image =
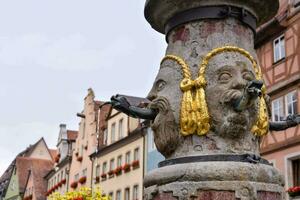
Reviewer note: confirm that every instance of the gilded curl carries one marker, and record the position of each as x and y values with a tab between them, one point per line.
194	115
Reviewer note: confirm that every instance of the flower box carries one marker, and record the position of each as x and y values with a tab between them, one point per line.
97	179
103	176
79	158
74	185
126	167
111	173
118	171
82	180
59	184
63	181
294	191
135	164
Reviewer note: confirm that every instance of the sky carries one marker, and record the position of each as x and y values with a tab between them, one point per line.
52	51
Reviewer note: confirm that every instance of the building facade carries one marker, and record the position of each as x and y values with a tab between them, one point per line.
36	185
118	164
14	178
278	49
86	144
58	177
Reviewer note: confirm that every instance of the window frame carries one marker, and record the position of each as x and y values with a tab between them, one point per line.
113	133
281	42
295	110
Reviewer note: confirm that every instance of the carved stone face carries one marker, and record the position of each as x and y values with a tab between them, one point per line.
227	75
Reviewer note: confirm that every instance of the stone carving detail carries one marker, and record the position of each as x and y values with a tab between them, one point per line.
166	134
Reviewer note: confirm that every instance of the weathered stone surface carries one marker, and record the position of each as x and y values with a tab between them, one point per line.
159	12
214	171
268	195
164	196
216	195
227	75
230	132
235	190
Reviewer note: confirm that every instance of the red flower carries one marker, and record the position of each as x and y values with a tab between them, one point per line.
79	158
126	167
63	181
103	175
74	185
97	179
294	191
118	170
111	172
135	164
82	180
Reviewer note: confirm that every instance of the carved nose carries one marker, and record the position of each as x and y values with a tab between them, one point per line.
151	96
239	83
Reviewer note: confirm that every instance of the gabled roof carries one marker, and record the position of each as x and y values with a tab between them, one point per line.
4	179
53	153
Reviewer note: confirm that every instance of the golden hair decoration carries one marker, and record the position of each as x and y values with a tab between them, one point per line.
194	116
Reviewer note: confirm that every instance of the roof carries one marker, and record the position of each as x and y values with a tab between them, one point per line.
4	179
53	153
39	168
72	135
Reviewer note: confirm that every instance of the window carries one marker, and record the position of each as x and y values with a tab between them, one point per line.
296	172
127	157
291	103
127	194
151	144
120	129
118	195
119	161
83	130
97	171
112	164
104	167
284	106
135	193
136	154
277	110
113	132
84	172
76	177
81	152
105	137
279	48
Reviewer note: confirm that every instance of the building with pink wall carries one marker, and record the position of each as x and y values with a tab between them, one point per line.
278	49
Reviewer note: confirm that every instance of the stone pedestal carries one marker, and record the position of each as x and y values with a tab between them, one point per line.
191	39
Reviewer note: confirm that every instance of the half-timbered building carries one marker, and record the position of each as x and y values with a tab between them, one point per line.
278	49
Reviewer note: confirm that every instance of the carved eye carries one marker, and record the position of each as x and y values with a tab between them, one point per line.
225	76
248	76
160	85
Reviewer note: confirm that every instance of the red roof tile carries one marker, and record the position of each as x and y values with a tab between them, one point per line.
72	135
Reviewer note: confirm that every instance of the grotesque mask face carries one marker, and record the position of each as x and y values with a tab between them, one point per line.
227	76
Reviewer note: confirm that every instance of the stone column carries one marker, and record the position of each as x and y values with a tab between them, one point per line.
220	158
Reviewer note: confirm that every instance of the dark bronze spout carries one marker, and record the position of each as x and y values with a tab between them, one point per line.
120	103
251	92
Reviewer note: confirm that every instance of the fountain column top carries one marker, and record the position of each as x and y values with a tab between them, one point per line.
159	12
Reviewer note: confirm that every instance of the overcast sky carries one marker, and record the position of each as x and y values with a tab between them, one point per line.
52	51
